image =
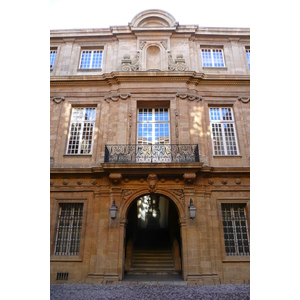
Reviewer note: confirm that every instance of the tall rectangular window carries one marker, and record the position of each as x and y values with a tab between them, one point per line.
68	232
153	126
212	57
248	56
91	59
235	229
223	131
52	58
81	133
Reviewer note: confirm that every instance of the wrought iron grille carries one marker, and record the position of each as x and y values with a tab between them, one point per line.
69	229
169	153
235	229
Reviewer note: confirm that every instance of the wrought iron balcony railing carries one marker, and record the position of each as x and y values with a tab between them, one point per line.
171	153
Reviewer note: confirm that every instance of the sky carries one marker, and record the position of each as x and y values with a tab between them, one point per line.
78	14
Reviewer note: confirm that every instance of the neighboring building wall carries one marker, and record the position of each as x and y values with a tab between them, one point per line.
189	93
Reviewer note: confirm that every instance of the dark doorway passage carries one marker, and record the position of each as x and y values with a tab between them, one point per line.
153	240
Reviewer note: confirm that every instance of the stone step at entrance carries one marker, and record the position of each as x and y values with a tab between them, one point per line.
152	262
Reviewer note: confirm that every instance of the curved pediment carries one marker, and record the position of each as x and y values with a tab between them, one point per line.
153	18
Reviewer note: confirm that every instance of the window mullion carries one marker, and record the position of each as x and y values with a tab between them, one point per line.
91	61
80	137
212	57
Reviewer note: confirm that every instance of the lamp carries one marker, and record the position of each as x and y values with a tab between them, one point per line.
113	210
192	210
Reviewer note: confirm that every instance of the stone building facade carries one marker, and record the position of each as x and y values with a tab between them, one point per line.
152	118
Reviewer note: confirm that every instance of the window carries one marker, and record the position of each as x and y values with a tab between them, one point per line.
248	56
235	229
212	57
91	59
153	126
52	58
81	130
223	131
68	229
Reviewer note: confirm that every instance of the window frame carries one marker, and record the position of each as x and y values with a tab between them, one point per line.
82	122
69	199
153	122
222	122
247	50
56	51
233	200
211	49
93	50
67	236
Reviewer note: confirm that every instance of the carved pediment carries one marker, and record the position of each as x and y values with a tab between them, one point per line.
153	18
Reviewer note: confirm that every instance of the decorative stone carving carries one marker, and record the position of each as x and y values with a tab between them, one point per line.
178	65
238	181
179	194
142	44
57	100
210	181
79	181
117	97
244	99
165	44
189	97
65	182
94	181
177	180
126	194
224	181
152	181
189	178
115	178
127	65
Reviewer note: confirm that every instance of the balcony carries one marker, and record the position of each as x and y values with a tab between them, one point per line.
171	153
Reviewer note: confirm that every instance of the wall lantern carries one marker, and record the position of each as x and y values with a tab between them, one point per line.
113	210
192	210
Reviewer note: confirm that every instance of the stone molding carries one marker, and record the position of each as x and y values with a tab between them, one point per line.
115	178
190	97
244	99
58	100
117	97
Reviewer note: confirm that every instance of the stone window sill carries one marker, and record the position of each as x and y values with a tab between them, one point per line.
236	259
66	258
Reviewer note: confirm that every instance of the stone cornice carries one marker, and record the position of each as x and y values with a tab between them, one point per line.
108	79
112	31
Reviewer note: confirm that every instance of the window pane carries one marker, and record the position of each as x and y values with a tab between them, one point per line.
218	58
206	58
97	59
85	59
52	58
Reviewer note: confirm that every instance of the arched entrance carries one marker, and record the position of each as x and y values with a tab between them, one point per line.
152	238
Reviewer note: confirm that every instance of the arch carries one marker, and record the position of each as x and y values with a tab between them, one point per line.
127	203
153	18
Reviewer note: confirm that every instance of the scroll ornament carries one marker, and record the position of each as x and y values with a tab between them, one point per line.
178	65
127	65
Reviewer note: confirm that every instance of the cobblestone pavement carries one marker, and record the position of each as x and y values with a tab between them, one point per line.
148	291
